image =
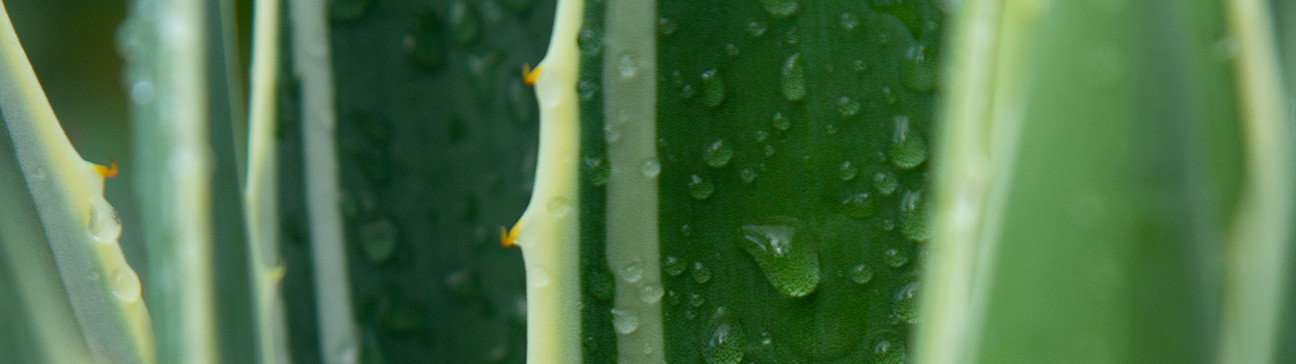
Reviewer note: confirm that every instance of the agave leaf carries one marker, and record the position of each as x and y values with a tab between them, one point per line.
260	200
70	296
338	340
422	128
185	112
748	186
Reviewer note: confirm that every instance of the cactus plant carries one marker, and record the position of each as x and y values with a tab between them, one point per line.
674	181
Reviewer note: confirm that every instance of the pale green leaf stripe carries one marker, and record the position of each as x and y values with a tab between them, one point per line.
260	193
79	225
630	105
548	231
164	47
1254	281
963	252
339	341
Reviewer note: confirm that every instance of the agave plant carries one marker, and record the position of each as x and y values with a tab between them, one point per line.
673	181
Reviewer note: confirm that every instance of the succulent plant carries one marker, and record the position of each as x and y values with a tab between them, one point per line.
686	181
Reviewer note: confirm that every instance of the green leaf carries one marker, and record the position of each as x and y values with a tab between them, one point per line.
186	108
68	293
426	138
1100	197
749	181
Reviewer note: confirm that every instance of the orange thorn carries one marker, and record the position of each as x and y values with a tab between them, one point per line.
529	75
508	237
106	171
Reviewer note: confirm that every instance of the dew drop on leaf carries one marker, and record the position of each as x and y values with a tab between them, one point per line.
789	265
713	89
718	153
792	78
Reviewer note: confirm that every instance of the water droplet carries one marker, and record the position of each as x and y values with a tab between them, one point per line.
860	65
651	293
917	72
104	226
769	150
766	338
732	50
848	21
587	89
460	283
747	175
780	8
790	266
611	134
847	171
496	354
666	27
482	69
859	206
725	346
424	43
913	216
713	89
701	274
780	122
906	308
756	29
599	171
886	352
700	187
885	182
559	206
861	274
888	224
464	25
847	107
379	239
696	300
672	298
760	135
628	66
673	266
687	92
125	284
590	42
888	96
141	92
632	272
908	149
624	321
537	276
895	258
340	10
793	78
651	168
718	153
